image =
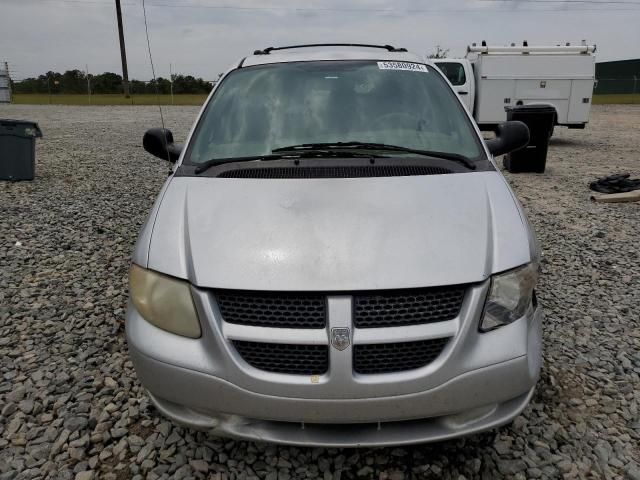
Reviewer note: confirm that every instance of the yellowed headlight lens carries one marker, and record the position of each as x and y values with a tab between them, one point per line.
510	297
164	302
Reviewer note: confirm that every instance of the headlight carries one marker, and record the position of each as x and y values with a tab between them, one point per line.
510	297
164	301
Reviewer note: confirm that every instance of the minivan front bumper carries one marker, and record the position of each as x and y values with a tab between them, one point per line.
481	381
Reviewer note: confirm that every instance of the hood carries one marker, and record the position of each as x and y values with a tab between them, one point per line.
338	234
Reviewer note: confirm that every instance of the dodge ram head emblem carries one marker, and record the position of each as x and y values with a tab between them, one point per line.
340	338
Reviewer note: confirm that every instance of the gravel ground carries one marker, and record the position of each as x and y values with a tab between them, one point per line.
71	406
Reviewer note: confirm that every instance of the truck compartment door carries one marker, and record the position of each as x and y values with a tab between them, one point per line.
552	92
543	89
580	101
491	98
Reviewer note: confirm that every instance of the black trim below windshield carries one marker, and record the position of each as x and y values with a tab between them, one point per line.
352	168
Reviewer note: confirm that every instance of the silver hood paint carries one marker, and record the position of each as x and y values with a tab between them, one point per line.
337	234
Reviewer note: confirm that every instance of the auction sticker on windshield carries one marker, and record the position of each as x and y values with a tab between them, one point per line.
412	67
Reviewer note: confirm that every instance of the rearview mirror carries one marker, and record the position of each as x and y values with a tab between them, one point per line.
510	136
159	143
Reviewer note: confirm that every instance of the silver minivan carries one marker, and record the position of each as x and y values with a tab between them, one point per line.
335	259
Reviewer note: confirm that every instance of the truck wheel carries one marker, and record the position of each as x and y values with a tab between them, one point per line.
551	132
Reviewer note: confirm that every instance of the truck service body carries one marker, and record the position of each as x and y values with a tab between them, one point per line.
489	79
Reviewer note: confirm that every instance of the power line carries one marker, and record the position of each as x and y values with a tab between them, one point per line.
80	2
380	10
595	2
153	72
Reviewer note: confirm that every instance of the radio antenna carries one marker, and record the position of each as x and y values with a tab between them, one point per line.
153	72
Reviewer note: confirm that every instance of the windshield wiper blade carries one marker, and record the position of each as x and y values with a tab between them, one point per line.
306	153
455	157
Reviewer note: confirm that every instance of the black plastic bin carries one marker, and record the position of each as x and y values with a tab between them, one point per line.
18	149
540	119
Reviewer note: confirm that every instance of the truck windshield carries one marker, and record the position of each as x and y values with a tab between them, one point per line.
454	72
259	109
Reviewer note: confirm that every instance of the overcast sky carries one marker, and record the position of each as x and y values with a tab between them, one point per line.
203	37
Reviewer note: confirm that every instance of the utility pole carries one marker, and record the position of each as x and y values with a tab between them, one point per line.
88	83
123	53
171	78
10	99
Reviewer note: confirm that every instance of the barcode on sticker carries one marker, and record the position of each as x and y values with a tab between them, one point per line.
412	67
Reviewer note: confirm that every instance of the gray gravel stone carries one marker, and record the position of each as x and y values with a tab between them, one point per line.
76	423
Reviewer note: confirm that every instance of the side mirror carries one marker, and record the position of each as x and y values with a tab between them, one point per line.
159	143
510	136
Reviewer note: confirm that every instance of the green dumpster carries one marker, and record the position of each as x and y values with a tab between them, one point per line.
18	149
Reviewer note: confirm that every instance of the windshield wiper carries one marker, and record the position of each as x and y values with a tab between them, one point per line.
214	162
305	153
454	157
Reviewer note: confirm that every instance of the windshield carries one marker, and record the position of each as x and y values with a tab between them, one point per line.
259	109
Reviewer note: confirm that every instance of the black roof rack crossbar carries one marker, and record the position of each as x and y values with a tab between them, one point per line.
389	48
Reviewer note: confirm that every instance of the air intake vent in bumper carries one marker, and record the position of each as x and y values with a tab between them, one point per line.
397	308
396	357
276	310
285	358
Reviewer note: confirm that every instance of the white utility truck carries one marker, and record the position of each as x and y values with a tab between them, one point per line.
489	79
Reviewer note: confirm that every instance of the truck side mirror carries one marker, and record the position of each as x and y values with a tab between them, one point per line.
159	143
510	136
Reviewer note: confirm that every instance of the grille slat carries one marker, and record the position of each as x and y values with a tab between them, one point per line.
396	357
275	310
401	308
285	358
347	171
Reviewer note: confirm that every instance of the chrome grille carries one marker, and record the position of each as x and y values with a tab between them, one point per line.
305	316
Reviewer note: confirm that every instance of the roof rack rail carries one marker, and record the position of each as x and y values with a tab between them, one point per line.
268	50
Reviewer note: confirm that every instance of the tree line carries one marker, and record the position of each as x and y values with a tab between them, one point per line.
76	81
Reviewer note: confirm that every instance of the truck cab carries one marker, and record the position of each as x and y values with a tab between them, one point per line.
459	72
